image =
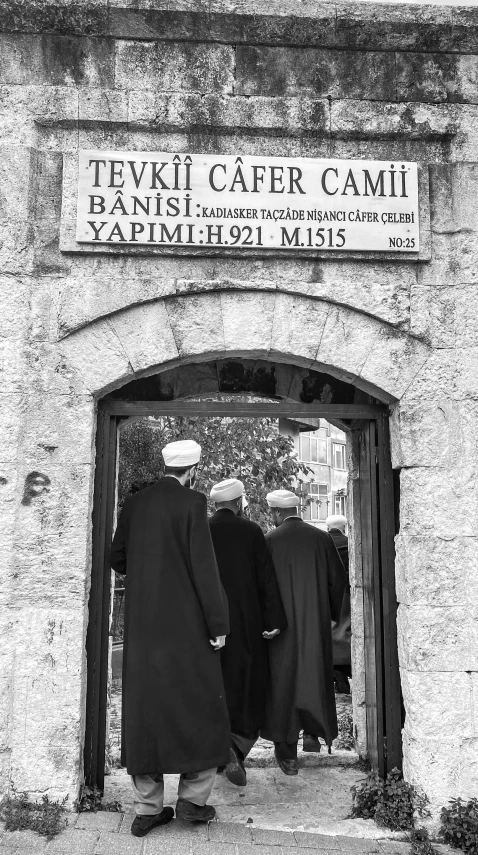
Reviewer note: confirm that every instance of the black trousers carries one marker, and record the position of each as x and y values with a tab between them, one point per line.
286	750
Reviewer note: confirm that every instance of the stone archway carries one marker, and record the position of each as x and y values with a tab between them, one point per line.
165	337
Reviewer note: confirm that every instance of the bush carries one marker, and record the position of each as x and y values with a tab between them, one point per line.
460	825
366	795
421	844
389	803
46	817
395	806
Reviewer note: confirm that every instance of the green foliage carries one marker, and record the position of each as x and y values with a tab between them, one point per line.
345	739
366	795
47	817
91	799
246	448
395	806
421	844
460	825
389	802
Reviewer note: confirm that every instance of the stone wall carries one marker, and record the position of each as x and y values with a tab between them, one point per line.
312	79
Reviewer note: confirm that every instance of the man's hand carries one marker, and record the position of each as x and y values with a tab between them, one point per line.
271	634
218	642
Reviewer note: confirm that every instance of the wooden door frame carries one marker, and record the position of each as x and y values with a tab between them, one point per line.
110	413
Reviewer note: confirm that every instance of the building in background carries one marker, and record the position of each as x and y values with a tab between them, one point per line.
322	449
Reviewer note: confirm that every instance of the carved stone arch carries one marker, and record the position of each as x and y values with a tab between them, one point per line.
311	333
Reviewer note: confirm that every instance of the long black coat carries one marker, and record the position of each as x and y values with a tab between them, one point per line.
255	605
311	580
174	708
342	630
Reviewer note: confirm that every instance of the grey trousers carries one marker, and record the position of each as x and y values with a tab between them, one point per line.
149	790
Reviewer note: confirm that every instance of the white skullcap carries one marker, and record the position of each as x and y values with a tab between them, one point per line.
336	520
282	499
226	491
184	452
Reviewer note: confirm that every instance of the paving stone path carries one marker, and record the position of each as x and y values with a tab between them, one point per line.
109	834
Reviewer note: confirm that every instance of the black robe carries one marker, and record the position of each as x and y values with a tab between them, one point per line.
341	629
255	605
174	708
311	580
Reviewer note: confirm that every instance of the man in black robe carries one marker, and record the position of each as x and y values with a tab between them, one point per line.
342	629
311	580
175	716
256	616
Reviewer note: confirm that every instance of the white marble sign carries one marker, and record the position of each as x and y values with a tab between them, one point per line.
221	201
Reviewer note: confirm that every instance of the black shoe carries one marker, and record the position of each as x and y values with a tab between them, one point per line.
235	772
311	743
143	824
190	812
342	685
289	767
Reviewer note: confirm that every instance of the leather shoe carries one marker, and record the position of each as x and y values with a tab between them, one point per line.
235	772
289	767
311	743
143	824
190	812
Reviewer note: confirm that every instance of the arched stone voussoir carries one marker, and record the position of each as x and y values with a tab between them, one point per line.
269	325
369	353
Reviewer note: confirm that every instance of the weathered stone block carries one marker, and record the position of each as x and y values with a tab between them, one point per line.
432	501
435	702
102	104
196	113
56	60
46	739
437	638
346	342
440	570
329	73
247	322
430	77
297	326
431	765
49	641
154	65
374	120
96	357
407	28
146	336
393	362
197	324
432	315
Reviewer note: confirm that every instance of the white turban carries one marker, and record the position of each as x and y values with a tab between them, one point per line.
226	491
180	454
282	499
336	521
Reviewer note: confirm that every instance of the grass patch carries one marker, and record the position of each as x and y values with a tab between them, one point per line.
47	817
91	799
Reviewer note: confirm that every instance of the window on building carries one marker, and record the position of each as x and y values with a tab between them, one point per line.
317	508
313	447
340	504
338	455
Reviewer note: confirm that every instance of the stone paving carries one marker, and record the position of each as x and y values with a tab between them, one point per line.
109	834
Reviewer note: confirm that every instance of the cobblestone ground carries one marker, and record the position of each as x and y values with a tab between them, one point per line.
109	834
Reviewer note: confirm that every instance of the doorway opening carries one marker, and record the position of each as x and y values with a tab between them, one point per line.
328	423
